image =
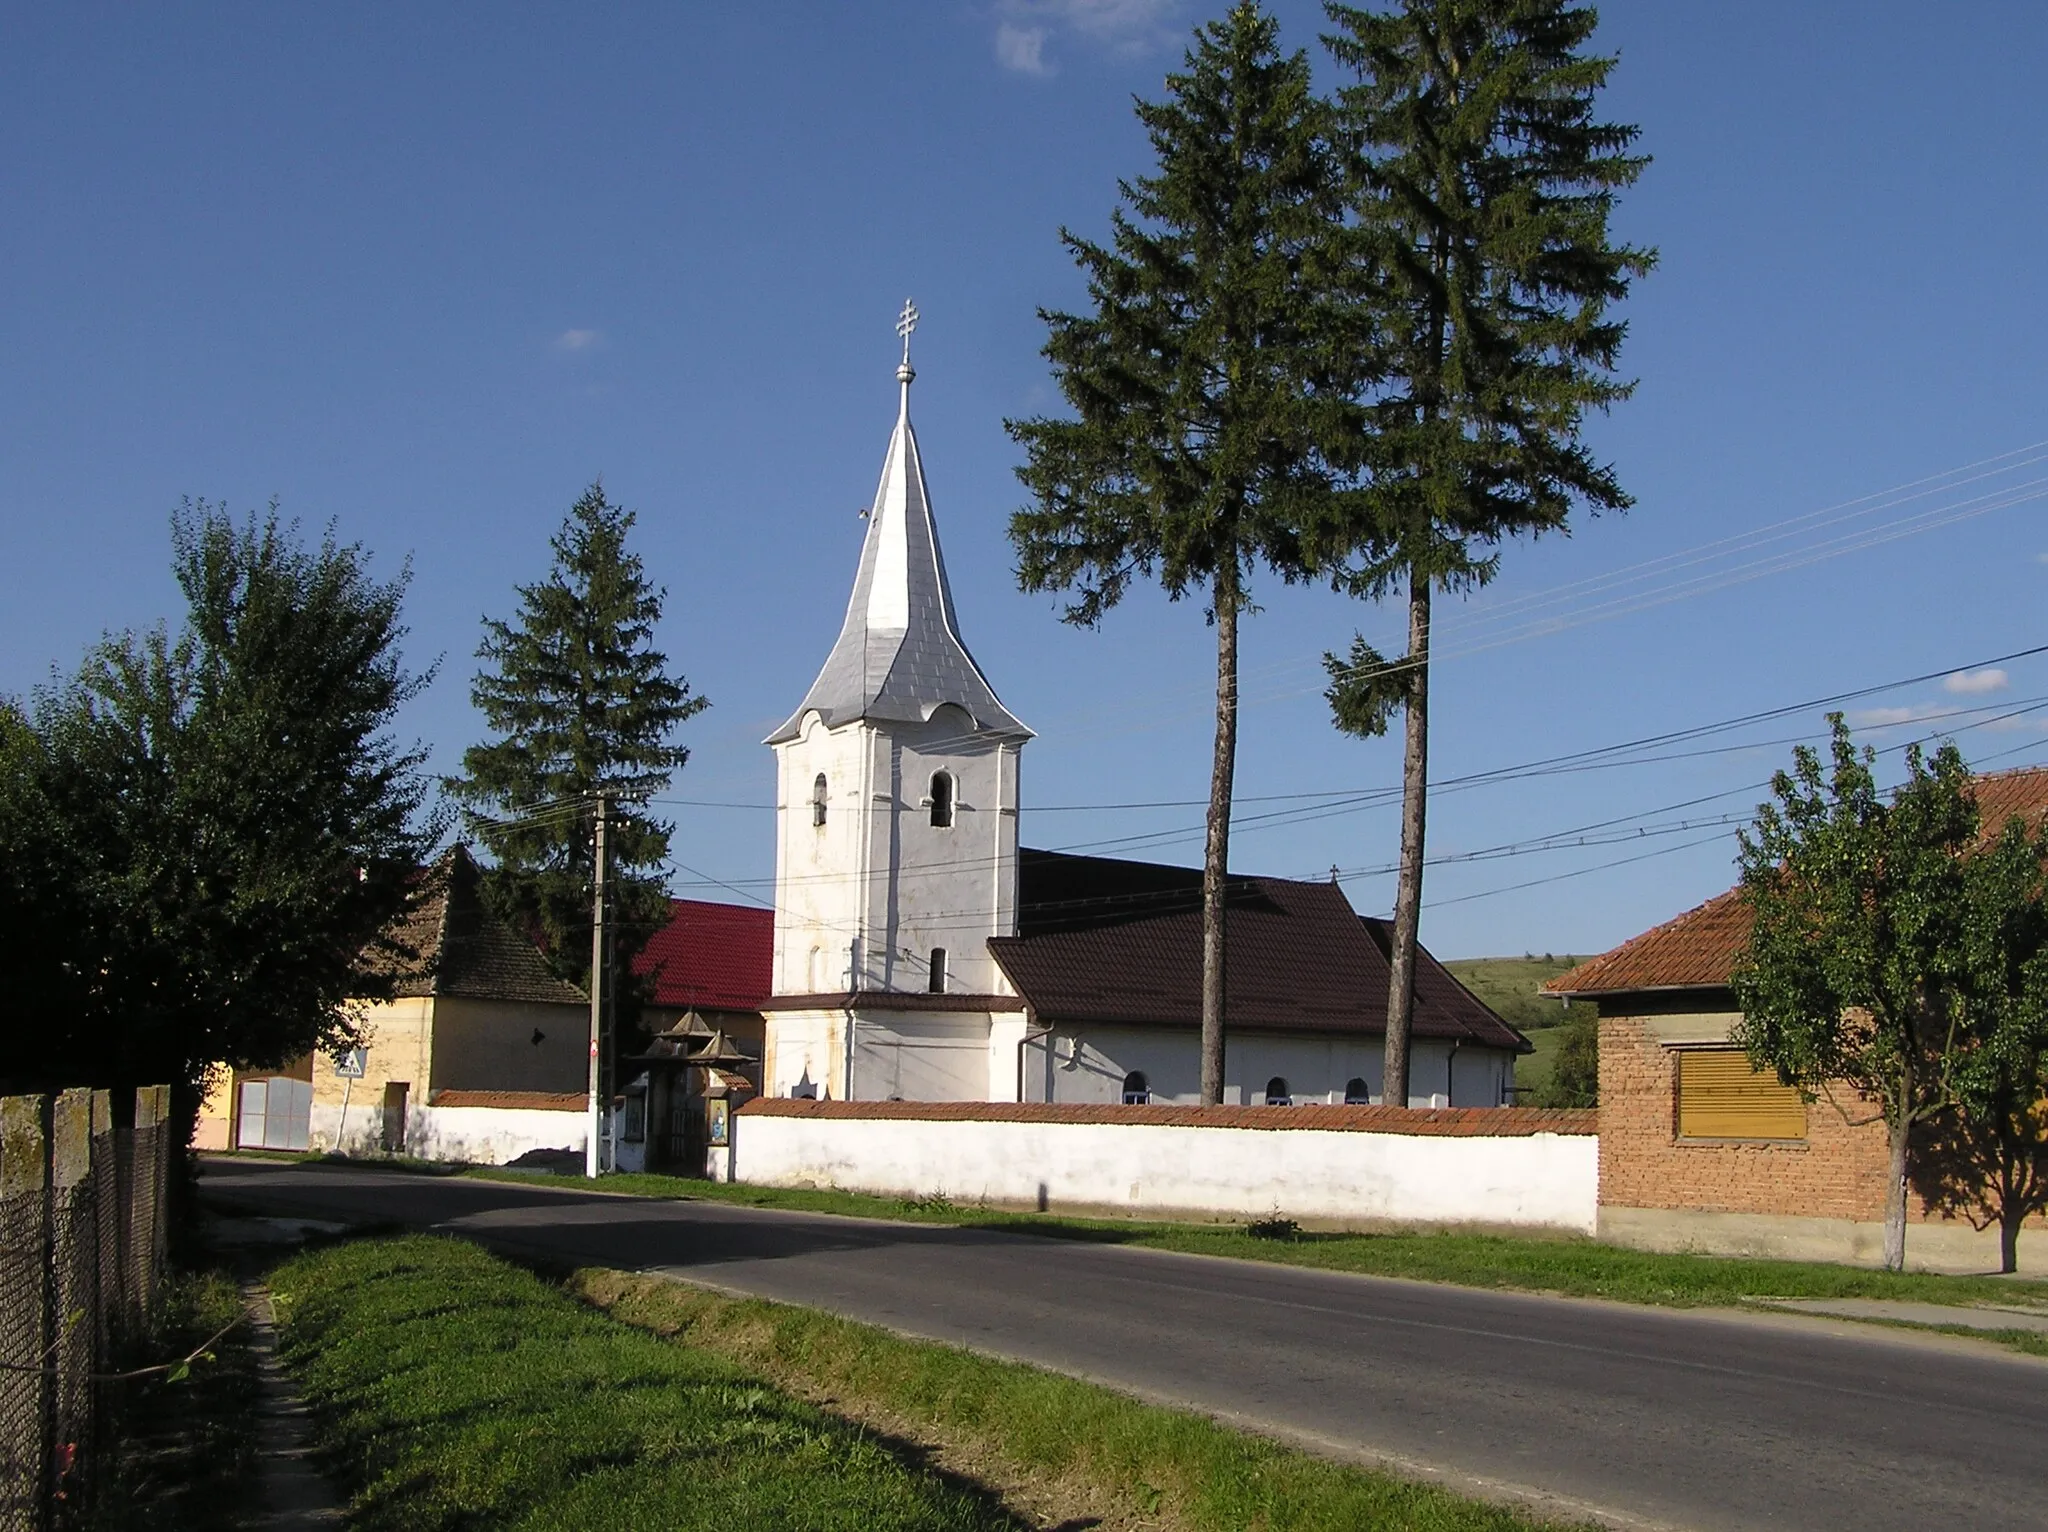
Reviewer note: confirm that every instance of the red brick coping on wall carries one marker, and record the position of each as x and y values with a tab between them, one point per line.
514	1100
1447	1122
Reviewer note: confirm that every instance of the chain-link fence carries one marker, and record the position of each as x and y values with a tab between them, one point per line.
81	1253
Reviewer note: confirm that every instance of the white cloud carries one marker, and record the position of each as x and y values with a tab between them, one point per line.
578	340
1975	683
1887	717
2041	558
1024	27
1022	49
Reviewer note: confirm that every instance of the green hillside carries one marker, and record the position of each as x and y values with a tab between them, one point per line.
1510	985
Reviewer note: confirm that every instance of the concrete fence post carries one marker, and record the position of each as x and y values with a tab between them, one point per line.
24	1313
144	1196
74	1289
109	1301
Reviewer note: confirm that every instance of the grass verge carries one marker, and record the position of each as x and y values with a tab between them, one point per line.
181	1455
454	1390
1573	1266
1081	1455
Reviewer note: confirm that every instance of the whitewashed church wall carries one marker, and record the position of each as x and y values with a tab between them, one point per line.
920	1056
804	1053
817	886
1546	1180
951	887
1089	1065
878	867
1007	1033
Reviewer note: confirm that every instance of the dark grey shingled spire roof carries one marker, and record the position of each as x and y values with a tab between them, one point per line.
899	654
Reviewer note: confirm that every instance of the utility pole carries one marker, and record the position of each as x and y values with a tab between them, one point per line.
597	978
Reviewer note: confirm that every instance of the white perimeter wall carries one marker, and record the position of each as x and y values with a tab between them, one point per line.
474	1135
1544	1179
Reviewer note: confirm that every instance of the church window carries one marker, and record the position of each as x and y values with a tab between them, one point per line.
938	985
1277	1093
1357	1092
1137	1089
942	800
818	800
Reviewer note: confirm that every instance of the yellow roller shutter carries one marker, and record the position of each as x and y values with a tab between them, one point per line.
1720	1096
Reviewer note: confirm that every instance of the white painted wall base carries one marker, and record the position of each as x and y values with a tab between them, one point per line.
472	1135
1547	1180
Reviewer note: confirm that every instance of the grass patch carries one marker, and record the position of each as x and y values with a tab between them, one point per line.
454	1391
1566	1264
1096	1457
181	1455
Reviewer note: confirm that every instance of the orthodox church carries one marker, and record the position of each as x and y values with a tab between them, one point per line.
921	955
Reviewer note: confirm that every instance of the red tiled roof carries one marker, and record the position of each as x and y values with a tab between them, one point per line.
717	957
1695	951
513	1100
1119	942
1699	949
1454	1122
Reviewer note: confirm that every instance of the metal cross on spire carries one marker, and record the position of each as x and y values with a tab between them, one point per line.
905	323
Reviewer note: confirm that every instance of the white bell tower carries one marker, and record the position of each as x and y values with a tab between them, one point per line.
896	833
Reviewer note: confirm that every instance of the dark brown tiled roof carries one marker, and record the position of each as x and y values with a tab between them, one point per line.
450	944
1454	1122
1108	941
1699	949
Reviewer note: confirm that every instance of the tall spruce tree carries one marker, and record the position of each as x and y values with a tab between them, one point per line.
580	701
1194	451
1480	188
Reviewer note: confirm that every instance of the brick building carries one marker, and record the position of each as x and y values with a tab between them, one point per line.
1699	1151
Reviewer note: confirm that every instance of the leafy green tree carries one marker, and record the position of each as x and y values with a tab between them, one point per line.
1195	447
1480	185
1575	1072
221	818
1856	971
580	701
1985	1156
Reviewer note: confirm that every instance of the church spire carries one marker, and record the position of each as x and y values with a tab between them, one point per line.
899	656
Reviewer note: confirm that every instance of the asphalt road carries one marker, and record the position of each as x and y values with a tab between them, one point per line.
1649	1418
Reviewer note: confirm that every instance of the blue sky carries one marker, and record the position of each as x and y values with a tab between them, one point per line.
427	271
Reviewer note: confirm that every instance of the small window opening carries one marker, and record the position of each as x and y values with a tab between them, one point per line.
938	985
818	800
1137	1090
942	800
1357	1092
1277	1093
